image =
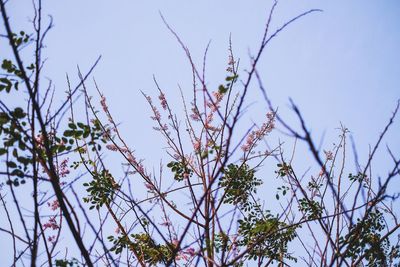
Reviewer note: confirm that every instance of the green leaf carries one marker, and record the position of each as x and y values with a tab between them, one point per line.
69	133
31	67
11	164
230	78
72	125
4	118
222	89
18	173
19	113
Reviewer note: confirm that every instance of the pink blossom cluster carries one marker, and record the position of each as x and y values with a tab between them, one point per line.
256	135
215	105
104	104
163	101
51	223
231	64
54	205
156	114
63	170
40	139
197	145
137	164
149	186
207	123
161	128
249	142
52	239
218	96
195	116
113	147
186	254
328	155
105	108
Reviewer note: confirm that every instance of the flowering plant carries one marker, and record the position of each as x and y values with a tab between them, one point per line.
206	206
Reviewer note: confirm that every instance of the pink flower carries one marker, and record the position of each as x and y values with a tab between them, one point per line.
175	242
257	135
138	166
39	140
54	205
231	64
163	101
103	104
195	116
214	105
112	147
208	121
157	115
190	251
63	170
249	142
149	186
328	155
52	224
52	239
197	145
218	96
186	255
231	60
166	223
162	128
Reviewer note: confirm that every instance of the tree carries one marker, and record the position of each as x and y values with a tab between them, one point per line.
141	217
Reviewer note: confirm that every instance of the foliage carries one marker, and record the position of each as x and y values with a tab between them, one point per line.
66	263
239	183
365	238
260	233
101	189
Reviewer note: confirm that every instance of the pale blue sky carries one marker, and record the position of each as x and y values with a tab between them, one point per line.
341	65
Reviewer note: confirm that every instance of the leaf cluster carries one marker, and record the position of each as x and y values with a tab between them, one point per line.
180	170
12	130
151	252
101	189
365	238
239	182
261	232
311	208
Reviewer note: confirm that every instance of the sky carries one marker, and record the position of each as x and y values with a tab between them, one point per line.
341	65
